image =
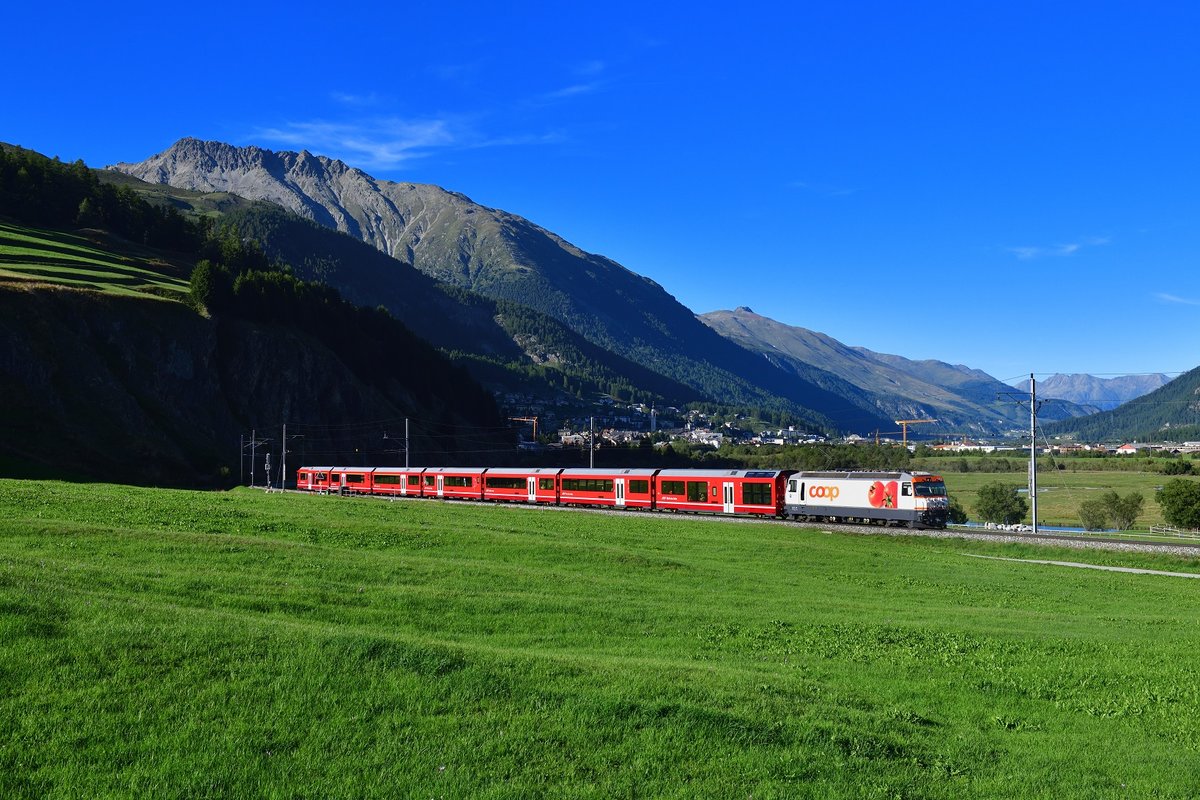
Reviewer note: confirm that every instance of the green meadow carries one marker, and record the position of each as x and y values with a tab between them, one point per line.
33	254
1060	493
162	643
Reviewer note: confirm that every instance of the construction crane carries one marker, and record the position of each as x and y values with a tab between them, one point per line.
534	420
904	423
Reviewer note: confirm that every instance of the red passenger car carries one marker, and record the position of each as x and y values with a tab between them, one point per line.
757	492
463	483
350	480
617	488
397	481
313	479
521	485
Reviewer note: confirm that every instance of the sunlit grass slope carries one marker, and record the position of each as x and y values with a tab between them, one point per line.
34	254
182	644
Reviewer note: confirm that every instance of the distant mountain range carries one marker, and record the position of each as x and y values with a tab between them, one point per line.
963	400
1170	412
1103	393
639	332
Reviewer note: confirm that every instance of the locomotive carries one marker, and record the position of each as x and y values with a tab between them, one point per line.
911	499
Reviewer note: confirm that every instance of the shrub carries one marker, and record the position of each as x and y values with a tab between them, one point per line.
999	502
1180	502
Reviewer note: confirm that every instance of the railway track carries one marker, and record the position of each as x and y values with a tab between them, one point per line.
1077	542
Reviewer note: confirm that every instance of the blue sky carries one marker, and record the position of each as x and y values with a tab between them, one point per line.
1010	186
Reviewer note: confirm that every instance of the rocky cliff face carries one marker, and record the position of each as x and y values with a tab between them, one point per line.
141	391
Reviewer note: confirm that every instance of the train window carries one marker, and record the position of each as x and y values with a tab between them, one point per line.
546	484
639	487
429	480
758	494
458	480
931	489
387	479
587	485
352	477
672	487
906	489
505	483
697	491
414	480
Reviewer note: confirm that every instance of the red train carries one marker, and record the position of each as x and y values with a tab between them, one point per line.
915	499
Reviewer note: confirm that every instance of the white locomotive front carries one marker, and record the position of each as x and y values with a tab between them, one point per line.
914	499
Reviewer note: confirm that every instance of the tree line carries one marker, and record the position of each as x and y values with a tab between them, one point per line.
45	192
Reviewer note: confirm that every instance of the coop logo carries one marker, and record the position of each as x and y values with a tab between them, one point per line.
830	492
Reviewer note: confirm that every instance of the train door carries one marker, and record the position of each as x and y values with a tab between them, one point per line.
441	485
531	483
620	492
728	498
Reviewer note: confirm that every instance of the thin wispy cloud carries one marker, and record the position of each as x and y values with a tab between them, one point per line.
590	68
822	189
572	91
383	143
387	143
355	100
1028	253
1177	300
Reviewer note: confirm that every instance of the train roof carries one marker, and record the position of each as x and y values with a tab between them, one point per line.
721	473
638	473
866	475
510	471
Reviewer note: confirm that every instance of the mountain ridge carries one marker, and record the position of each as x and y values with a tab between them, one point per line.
1103	393
506	257
961	398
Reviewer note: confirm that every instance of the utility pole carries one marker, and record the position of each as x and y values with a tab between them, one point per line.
283	466
406	442
241	459
254	443
1033	451
592	442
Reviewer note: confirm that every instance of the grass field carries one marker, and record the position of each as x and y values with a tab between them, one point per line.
32	254
183	644
1061	493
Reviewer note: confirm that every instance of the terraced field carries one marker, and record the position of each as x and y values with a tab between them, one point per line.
36	255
